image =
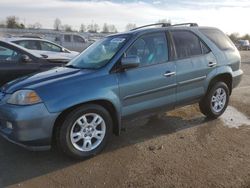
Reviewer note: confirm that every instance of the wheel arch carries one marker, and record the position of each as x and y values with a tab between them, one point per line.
109	106
225	77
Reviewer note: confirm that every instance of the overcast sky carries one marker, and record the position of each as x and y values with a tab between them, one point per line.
228	15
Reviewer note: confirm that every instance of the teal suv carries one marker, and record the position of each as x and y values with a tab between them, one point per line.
122	76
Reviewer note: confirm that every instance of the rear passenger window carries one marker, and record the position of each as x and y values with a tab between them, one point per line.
187	44
67	38
78	39
151	49
218	38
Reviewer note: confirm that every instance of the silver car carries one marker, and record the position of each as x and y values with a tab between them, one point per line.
43	47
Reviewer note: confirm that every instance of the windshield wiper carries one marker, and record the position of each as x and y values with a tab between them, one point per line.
72	66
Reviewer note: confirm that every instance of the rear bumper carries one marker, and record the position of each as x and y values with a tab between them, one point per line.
237	76
28	126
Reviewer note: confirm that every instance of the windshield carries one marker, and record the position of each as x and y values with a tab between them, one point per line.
99	53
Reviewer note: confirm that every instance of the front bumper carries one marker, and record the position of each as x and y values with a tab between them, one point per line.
28	126
237	76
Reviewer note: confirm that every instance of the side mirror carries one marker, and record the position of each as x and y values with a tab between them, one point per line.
64	50
25	58
130	62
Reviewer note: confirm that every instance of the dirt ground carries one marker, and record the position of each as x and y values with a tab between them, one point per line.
178	149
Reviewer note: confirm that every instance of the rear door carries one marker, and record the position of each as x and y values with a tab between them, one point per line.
194	61
11	64
152	85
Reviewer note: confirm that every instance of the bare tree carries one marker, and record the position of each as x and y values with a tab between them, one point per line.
36	25
13	22
130	26
67	28
57	24
234	37
112	29
82	28
105	28
93	28
168	21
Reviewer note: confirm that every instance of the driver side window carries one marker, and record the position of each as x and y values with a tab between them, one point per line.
8	55
151	49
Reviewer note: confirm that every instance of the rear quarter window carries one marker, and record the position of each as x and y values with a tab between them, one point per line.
218	38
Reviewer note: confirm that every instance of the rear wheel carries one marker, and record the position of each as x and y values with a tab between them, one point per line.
216	100
85	131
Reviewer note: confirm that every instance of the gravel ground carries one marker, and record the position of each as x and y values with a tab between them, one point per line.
178	149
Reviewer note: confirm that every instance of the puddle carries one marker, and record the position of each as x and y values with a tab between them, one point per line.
232	118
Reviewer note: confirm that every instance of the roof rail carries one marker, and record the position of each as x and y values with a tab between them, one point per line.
162	24
187	24
167	25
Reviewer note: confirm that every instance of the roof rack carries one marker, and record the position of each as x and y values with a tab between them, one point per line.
167	25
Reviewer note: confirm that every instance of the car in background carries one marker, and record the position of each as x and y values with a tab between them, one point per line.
73	41
243	45
16	61
43	47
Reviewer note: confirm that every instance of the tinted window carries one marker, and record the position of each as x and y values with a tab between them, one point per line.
219	38
46	46
186	43
151	49
8	55
67	38
29	44
78	39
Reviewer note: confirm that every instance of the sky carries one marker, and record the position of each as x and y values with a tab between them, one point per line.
228	15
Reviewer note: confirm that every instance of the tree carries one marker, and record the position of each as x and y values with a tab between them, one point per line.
57	24
82	28
234	37
13	22
164	21
246	37
67	28
130	26
112	29
105	28
35	26
93	28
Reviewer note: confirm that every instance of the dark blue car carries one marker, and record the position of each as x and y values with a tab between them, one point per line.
140	72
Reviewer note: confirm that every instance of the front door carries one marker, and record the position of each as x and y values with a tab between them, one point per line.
152	85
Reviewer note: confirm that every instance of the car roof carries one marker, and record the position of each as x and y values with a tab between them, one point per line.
13	39
155	29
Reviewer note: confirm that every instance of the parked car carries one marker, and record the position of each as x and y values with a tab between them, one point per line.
16	61
73	41
243	45
43	47
120	77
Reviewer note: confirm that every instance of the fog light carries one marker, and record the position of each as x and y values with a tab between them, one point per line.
9	125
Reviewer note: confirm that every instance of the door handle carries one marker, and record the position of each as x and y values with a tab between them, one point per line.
211	64
168	74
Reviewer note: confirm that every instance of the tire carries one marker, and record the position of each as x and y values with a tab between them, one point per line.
210	105
79	125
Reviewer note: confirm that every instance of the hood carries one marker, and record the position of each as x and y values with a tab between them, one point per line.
41	78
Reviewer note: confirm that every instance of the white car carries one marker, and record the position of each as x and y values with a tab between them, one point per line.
43	47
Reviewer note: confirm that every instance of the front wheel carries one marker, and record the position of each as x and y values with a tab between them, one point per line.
85	131
216	100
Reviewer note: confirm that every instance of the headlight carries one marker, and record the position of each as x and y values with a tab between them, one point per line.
24	97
